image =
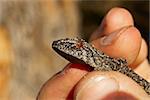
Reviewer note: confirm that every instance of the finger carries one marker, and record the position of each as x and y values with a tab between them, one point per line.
97	85
125	42
126	46
142	54
143	68
61	85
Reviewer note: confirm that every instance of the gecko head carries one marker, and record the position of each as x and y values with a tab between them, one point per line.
70	49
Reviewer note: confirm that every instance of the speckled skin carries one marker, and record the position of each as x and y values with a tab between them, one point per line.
78	51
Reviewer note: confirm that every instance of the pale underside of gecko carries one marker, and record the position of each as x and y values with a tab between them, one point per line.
79	51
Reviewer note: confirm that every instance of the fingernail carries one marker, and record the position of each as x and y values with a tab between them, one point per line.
108	40
96	88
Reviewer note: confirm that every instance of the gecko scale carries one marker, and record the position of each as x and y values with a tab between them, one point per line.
79	51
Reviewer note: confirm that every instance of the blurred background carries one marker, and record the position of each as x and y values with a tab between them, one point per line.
27	29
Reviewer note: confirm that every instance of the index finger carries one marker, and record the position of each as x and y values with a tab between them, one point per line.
61	85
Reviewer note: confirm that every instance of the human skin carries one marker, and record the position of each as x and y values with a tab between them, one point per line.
76	81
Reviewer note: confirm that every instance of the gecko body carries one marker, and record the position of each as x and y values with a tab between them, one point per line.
79	51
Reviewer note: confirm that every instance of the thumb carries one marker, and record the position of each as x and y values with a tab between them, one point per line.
116	37
99	85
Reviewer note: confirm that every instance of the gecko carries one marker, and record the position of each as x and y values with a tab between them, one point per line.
77	50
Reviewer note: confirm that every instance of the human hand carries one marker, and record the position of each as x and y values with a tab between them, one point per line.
77	82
